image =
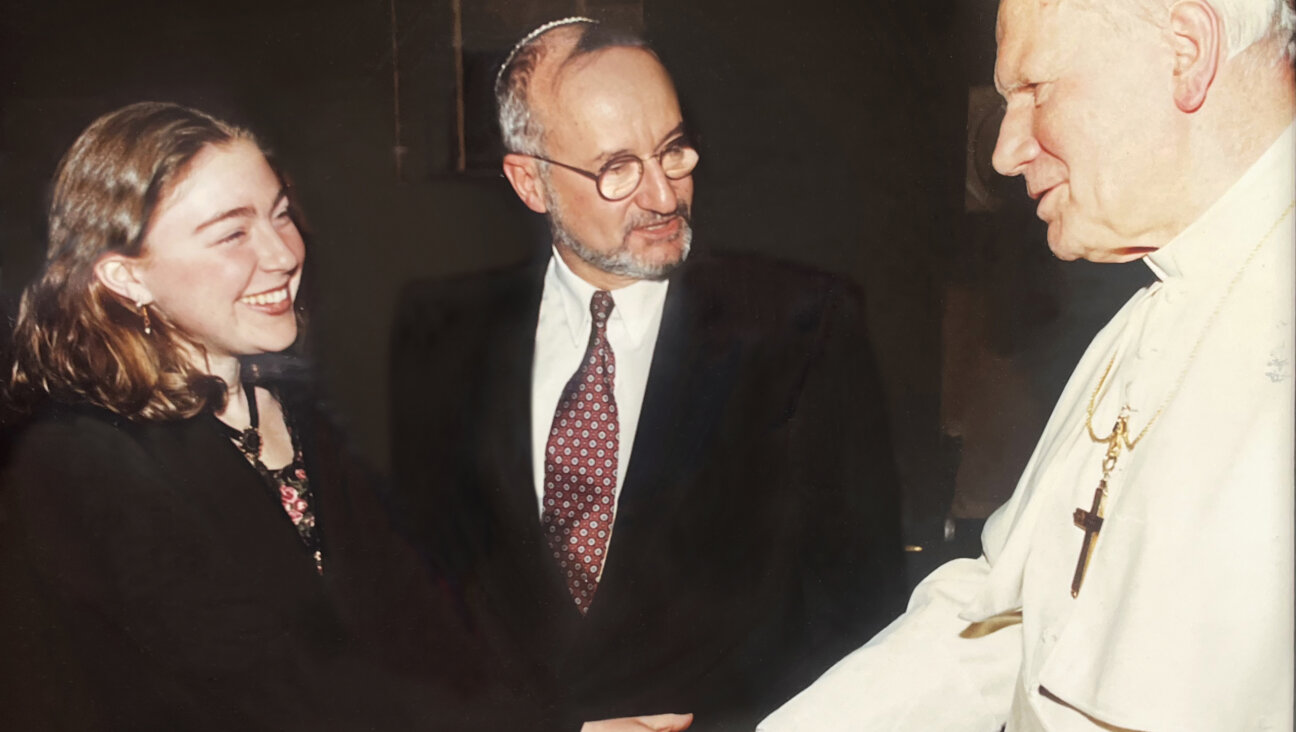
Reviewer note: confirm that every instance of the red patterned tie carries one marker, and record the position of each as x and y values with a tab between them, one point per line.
581	464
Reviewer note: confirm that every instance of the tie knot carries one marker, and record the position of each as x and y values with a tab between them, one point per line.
601	307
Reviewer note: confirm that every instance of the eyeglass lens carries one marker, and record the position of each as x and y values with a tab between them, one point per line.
620	178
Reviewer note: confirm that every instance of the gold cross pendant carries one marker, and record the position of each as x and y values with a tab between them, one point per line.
1091	521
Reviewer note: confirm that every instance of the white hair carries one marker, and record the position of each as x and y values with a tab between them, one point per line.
1246	22
1249	21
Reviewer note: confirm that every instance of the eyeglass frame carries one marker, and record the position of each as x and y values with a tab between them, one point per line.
641	160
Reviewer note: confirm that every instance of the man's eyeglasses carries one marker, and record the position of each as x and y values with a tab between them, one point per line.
620	176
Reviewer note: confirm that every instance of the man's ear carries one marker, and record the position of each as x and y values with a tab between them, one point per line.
523	173
120	274
1197	38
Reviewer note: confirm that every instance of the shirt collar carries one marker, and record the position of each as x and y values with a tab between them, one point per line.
637	304
1222	238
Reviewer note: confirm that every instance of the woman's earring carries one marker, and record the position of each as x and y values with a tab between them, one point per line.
143	311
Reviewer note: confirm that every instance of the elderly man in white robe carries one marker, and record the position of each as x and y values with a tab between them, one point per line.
1141	576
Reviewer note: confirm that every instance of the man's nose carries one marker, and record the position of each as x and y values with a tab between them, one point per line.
1017	145
656	192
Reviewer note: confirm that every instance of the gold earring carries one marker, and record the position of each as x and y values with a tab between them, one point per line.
143	311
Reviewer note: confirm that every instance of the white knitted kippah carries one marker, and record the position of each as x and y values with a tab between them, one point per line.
499	75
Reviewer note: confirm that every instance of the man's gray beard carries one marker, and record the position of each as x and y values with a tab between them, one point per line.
621	261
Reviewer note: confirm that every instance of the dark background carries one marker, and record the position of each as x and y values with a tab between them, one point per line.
834	133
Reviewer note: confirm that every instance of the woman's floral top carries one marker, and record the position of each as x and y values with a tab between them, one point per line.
289	483
295	495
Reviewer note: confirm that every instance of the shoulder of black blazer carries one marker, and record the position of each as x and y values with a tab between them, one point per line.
747	287
464	345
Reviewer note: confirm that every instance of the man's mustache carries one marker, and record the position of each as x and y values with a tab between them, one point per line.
648	218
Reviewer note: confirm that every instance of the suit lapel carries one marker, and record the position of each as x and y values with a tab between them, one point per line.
694	369
536	595
510	349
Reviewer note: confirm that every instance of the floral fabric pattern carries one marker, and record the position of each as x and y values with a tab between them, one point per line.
289	484
295	496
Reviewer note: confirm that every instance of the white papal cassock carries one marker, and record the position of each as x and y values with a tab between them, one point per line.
1185	618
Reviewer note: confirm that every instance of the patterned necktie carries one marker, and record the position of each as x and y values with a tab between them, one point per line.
581	464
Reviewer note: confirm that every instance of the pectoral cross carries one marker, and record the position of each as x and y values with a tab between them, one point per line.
1091	521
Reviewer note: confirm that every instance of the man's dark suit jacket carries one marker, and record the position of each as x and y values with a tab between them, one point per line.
152	581
756	538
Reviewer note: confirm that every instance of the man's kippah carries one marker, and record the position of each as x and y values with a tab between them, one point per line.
499	75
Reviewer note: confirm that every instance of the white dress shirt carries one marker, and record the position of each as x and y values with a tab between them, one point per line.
1185	618
562	334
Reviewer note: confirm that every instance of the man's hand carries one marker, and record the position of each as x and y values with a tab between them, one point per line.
654	723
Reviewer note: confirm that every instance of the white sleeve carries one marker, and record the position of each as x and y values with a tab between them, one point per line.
918	673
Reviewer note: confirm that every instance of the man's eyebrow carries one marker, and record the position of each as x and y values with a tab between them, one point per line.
612	155
669	137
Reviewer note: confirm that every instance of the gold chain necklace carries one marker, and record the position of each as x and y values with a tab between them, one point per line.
1119	439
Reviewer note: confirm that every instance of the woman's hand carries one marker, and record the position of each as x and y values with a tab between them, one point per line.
653	723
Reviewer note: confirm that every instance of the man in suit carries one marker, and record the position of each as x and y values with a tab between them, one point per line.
661	483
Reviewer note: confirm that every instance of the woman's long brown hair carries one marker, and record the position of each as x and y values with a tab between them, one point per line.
77	341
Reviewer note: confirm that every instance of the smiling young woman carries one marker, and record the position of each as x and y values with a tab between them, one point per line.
185	545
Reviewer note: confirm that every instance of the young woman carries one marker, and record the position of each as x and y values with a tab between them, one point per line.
184	542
